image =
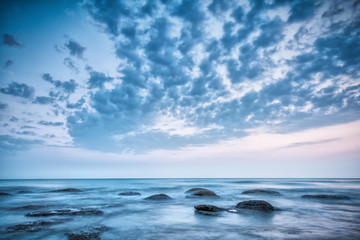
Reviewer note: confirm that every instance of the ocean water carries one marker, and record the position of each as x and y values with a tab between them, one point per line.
132	217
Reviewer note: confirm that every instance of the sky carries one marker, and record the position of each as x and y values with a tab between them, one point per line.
161	88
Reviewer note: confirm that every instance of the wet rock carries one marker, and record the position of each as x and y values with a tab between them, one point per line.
326	196
67	190
66	212
196	189
92	233
35	226
201	192
24	192
209	210
259	205
207	213
5	194
129	194
261	191
158	197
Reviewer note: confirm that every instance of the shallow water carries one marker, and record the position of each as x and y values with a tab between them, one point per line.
131	217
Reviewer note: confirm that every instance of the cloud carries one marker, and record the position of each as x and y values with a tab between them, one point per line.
75	48
10	40
8	63
19	90
67	86
44	100
97	79
3	105
302	10
8	144
53	124
71	65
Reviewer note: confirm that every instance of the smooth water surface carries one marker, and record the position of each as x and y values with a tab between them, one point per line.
132	217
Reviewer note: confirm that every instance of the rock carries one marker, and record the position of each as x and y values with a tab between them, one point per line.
129	194
24	192
67	212
261	191
158	197
67	190
201	192
5	194
92	233
209	210
326	196
35	226
259	205
207	213
196	189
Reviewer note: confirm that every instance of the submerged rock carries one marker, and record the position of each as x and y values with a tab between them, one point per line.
260	191
209	210
129	194
24	192
92	233
5	194
196	189
158	197
326	196
67	190
35	226
259	205
201	192
68	212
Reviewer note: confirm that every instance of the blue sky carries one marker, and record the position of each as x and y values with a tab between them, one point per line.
179	89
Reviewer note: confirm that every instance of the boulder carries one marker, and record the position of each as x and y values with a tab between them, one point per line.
195	190
260	191
66	212
92	233
326	196
67	190
5	194
24	192
129	194
36	225
258	205
201	192
208	208
158	197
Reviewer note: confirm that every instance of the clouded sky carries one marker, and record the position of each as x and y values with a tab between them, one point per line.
165	88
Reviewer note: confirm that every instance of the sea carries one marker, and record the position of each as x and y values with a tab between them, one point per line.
133	217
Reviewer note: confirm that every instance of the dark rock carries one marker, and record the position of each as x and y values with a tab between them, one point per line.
24	192
261	191
202	193
158	197
207	213
91	234
208	208
67	190
259	205
196	189
30	207
129	194
5	194
67	212
326	196
35	226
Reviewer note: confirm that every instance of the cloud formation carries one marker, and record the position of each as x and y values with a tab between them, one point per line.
10	40
19	90
75	48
